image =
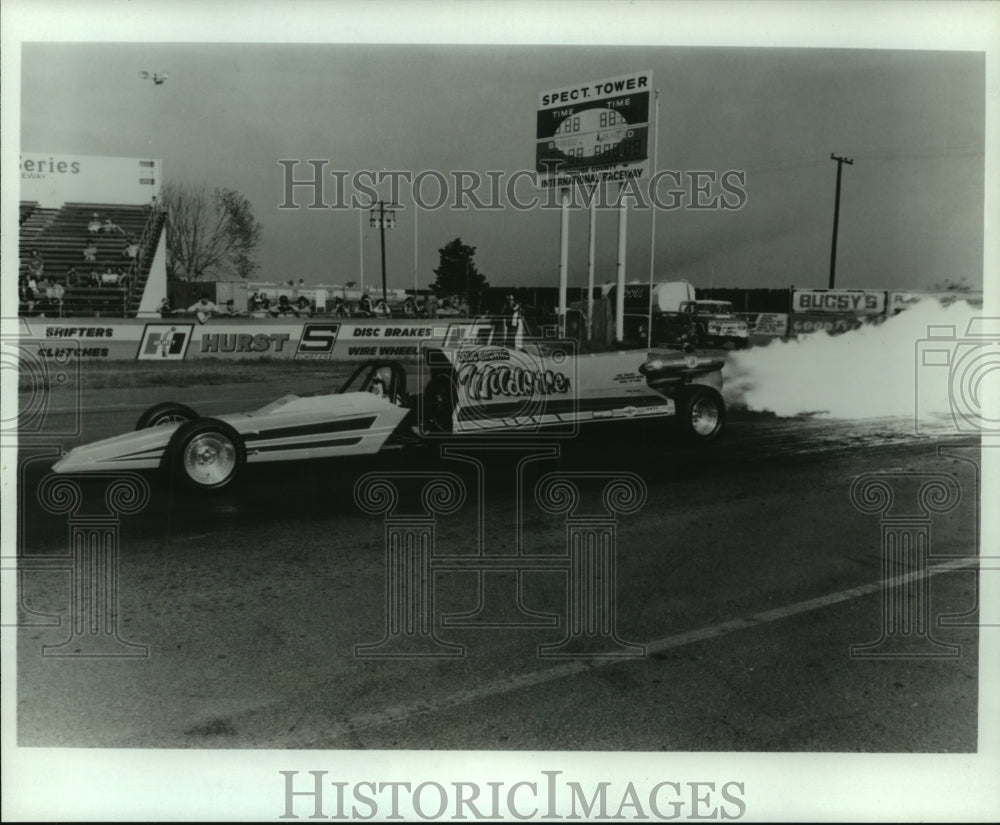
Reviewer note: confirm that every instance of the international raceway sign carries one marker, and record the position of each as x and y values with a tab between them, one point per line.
595	131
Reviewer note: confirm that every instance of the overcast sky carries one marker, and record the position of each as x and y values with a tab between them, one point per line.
913	121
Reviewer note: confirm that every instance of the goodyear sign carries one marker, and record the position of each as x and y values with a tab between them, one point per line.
594	131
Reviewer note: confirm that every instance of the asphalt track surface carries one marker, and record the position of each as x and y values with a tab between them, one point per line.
746	575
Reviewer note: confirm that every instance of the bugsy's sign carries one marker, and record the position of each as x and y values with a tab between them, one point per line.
846	301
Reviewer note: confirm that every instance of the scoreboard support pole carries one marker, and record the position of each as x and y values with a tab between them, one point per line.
563	259
652	224
590	264
622	244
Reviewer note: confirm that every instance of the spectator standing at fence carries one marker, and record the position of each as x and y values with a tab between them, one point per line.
90	252
515	322
284	308
203	308
365	305
164	308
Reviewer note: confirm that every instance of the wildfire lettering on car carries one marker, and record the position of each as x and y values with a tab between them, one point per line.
482	382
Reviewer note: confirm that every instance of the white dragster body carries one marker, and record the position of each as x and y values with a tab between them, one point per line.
292	427
538	387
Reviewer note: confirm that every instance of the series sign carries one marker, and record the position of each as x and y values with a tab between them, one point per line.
594	131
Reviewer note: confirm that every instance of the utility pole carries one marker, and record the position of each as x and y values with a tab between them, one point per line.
836	214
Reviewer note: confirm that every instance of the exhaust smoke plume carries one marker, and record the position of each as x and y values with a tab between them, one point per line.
925	366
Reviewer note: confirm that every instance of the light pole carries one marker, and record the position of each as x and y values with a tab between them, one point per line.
382	217
158	79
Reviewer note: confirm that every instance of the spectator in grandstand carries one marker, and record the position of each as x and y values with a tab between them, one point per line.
164	308
109	277
203	308
95	224
90	252
95	277
25	295
58	292
131	250
109	226
36	264
72	278
123	279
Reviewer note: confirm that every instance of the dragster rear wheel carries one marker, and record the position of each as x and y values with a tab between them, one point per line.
169	412
701	414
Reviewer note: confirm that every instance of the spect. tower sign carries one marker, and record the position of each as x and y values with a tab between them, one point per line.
595	131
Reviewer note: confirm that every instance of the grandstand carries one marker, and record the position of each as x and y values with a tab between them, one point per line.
60	235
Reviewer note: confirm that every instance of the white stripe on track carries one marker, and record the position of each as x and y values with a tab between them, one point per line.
400	713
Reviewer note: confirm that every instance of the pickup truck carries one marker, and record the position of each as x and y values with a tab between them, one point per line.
716	324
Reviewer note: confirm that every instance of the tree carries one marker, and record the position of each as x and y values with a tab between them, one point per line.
457	274
209	233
